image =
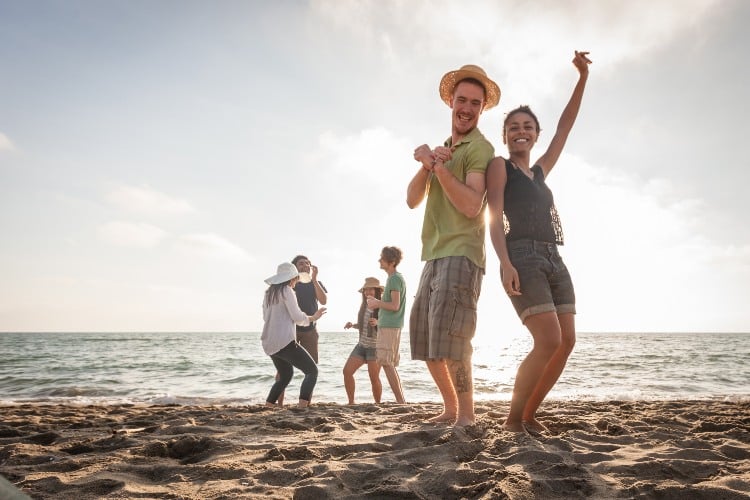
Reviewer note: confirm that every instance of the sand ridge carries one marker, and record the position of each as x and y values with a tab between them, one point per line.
615	449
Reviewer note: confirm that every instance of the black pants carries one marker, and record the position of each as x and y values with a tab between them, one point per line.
290	357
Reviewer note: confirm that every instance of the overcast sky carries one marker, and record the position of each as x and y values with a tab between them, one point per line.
159	159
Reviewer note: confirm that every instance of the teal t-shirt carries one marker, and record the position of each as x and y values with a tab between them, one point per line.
393	319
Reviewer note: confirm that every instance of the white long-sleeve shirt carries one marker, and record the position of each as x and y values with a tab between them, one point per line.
279	320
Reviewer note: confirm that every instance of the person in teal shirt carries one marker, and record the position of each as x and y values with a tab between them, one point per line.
391	318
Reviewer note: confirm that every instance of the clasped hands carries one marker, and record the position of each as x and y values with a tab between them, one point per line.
429	158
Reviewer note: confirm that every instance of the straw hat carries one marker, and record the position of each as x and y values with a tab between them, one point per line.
451	78
284	273
371	283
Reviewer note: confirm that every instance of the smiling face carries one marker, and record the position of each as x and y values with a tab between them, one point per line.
303	265
369	292
467	105
520	131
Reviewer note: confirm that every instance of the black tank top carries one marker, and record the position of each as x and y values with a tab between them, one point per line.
529	210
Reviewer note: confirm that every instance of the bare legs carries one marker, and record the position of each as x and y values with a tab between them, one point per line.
373	369
454	381
554	339
351	366
395	382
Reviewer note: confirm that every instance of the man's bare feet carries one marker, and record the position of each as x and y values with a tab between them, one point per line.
464	422
535	426
443	418
514	427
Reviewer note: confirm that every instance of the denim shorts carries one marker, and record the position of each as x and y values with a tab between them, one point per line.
545	282
362	352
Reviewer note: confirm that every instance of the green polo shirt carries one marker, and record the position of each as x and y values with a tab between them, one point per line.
447	232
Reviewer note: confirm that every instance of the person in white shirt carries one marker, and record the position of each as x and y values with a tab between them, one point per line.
279	338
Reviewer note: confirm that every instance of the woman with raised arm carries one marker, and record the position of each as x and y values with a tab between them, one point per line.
526	232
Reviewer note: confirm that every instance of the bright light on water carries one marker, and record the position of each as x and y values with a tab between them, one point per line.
231	367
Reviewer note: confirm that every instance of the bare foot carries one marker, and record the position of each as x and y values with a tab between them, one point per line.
272	405
534	426
464	421
303	404
443	418
514	427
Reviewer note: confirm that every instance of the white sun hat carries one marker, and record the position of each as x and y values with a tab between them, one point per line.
285	272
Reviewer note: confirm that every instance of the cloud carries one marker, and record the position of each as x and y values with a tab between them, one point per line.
369	156
210	245
520	50
131	234
145	200
5	143
637	253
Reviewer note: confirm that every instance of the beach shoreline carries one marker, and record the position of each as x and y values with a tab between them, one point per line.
595	449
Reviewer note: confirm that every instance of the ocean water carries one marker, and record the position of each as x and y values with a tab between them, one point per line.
231	368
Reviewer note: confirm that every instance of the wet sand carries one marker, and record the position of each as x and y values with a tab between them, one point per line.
635	449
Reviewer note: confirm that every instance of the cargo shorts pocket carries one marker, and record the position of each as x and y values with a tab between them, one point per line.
463	312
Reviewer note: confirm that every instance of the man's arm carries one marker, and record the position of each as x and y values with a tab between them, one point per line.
320	292
393	305
418	188
420	183
467	198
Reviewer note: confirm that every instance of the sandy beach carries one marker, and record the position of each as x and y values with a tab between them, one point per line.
616	449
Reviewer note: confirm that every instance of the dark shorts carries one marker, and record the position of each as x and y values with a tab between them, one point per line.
309	340
545	282
365	353
444	314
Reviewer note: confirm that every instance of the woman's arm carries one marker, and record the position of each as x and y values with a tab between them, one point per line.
496	180
568	118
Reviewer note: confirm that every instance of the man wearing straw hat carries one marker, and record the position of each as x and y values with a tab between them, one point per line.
451	177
